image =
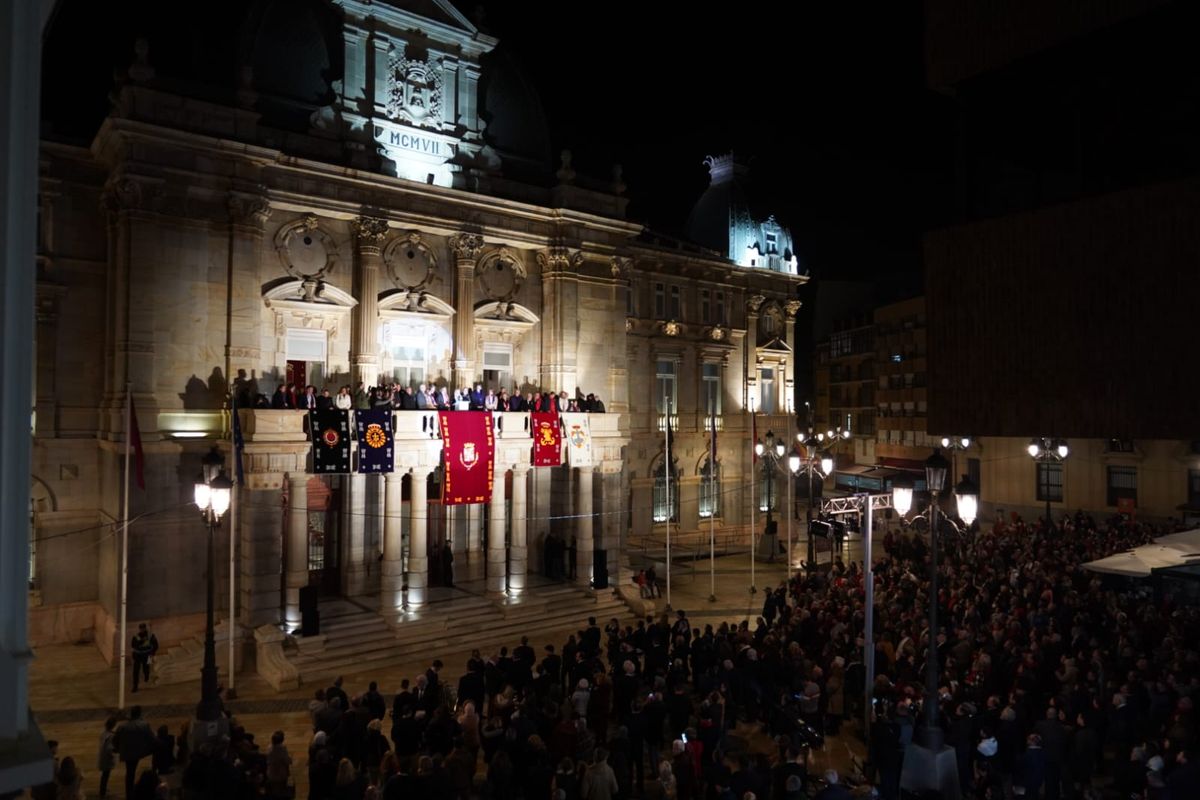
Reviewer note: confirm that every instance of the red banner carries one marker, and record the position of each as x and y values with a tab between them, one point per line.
468	451
547	439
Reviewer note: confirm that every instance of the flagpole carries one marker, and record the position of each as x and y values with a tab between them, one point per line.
712	511
667	473
125	546
233	505
752	509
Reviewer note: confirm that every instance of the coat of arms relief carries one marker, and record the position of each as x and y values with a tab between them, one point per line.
414	90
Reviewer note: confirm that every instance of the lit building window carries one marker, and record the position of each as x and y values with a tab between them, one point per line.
712	389
710	489
661	491
667	387
1122	482
1049	482
766	383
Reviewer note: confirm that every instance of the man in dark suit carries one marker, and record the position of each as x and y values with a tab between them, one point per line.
424	698
309	400
324	401
404	701
336	691
279	400
552	664
1031	767
471	688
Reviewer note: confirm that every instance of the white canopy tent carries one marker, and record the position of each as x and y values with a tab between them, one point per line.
1175	550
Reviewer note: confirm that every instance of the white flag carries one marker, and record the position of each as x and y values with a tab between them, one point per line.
577	433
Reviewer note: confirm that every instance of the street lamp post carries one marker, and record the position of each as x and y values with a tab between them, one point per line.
815	463
212	496
928	764
770	454
1047	451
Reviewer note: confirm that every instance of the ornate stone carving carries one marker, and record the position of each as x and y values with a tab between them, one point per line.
500	274
414	90
120	194
369	230
671	328
621	267
558	259
306	251
792	307
466	246
754	303
629	324
412	264
717	333
249	209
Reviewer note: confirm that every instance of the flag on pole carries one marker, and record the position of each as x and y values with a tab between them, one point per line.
135	441
239	443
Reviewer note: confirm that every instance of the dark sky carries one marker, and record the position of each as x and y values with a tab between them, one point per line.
826	101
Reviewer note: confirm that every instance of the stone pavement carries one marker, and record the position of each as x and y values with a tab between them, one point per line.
72	690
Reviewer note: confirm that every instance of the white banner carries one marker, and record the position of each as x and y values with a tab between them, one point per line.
577	434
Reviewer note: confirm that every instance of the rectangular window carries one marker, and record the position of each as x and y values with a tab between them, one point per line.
712	389
1049	482
497	367
660	301
666	496
1122	482
676	304
710	490
705	305
667	395
1194	488
766	383
720	308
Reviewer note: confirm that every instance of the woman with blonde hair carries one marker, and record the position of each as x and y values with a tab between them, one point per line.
349	785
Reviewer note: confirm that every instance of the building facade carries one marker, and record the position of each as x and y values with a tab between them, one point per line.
1155	479
208	245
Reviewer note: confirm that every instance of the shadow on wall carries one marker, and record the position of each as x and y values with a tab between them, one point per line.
199	396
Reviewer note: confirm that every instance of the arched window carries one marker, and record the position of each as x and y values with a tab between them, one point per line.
710	489
660	493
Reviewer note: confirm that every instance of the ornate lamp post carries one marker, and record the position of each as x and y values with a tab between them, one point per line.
212	496
1047	451
816	463
770	453
928	764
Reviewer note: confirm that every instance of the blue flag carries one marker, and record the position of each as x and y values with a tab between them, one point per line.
238	443
376	445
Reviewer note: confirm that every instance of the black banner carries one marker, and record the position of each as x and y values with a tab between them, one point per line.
330	440
375	444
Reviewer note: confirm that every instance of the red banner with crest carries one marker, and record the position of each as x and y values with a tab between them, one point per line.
468	450
547	439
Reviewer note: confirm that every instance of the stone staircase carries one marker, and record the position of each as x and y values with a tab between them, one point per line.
181	663
366	643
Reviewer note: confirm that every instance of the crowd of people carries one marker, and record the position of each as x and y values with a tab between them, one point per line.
424	397
1054	685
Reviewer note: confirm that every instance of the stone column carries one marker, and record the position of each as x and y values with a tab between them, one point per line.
466	248
474	514
369	234
297	549
584	543
418	541
497	578
753	304
791	308
518	557
391	583
354	579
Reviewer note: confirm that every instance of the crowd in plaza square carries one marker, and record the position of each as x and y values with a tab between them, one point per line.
1055	685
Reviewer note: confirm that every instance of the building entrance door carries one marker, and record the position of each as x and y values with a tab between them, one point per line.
324	504
297	373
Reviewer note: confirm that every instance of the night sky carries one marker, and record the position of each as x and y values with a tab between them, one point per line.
826	102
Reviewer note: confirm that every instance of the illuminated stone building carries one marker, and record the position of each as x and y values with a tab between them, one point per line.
373	201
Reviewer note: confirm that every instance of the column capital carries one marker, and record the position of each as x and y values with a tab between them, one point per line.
791	308
466	246
248	209
422	471
559	258
369	232
754	302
